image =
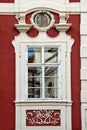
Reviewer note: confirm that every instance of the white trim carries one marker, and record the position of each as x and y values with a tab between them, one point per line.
7	9
17	7
43	84
20	42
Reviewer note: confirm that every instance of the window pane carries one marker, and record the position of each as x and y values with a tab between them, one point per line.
34	82
51	55
43	78
51	82
34	55
51	71
42	19
51	92
34	93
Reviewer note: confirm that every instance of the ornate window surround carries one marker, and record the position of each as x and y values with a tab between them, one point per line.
21	103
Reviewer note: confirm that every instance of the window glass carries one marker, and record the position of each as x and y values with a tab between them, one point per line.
43	78
51	55
34	55
42	19
34	82
51	80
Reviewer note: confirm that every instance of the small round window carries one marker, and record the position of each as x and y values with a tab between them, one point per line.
42	20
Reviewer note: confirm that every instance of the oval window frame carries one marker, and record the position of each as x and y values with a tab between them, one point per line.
47	14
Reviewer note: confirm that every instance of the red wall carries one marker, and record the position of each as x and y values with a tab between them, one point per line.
6	1
7	67
7	72
75	71
74	0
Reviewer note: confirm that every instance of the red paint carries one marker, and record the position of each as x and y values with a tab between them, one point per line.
7	73
33	32
52	32
75	72
74	0
7	1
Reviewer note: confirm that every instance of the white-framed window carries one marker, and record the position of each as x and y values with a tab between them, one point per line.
43	77
43	72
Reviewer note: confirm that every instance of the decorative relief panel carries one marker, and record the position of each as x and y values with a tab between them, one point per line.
43	117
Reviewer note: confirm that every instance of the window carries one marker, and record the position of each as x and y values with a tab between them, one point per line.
42	20
43	72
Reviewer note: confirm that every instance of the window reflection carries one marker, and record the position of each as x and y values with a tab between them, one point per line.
34	82
51	82
34	55
51	55
38	69
42	19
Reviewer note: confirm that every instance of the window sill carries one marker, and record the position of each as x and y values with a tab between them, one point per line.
43	103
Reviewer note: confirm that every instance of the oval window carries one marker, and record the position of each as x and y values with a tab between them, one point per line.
42	20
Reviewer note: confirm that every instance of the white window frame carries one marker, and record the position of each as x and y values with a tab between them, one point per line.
60	89
21	102
61	85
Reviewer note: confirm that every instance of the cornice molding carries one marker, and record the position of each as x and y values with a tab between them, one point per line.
23	27
63	27
27	7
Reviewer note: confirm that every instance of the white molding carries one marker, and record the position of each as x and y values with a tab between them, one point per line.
62	27
7	9
84	116
23	27
83	51
75	8
83	28
25	7
20	42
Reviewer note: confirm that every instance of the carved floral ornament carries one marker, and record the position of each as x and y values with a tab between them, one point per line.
43	117
43	21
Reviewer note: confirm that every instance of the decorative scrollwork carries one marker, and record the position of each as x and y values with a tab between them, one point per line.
43	118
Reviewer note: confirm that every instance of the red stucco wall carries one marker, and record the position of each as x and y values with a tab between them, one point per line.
7	73
6	1
75	71
74	0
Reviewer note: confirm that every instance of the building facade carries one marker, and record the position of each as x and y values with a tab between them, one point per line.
43	61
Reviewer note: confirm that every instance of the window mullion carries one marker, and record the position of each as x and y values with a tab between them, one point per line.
43	81
59	73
